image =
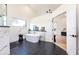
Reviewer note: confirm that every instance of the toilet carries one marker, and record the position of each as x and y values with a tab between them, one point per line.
34	38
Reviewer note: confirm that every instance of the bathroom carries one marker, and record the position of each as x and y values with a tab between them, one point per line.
18	23
34	26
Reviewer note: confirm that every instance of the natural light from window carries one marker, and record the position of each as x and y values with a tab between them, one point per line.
18	22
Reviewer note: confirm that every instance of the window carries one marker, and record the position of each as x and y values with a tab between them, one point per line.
18	22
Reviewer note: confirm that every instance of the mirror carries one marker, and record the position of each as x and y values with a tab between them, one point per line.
3	14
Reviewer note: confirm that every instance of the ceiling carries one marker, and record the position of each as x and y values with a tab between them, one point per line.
42	8
30	10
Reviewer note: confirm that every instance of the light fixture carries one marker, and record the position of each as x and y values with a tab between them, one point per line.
49	11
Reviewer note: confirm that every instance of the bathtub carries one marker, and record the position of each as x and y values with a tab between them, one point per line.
34	38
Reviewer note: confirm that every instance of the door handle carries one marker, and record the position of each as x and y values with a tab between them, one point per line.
74	35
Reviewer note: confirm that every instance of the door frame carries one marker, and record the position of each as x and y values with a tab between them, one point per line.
66	27
65	11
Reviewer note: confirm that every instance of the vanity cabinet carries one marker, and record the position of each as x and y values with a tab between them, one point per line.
4	46
42	38
4	42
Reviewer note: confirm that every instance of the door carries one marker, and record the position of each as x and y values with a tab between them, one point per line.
71	30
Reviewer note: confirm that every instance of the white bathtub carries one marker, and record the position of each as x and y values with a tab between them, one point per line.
34	38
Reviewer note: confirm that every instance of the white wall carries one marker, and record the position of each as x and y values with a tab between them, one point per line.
19	10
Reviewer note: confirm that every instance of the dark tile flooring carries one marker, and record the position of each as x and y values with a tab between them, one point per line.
41	48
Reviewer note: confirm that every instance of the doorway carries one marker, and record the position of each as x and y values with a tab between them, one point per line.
71	42
60	30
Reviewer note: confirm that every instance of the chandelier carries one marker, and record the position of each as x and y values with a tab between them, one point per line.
49	11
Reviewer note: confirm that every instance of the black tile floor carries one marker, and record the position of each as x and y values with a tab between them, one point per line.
41	48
